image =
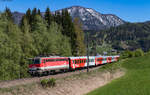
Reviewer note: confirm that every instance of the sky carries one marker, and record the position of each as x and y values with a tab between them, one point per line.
128	10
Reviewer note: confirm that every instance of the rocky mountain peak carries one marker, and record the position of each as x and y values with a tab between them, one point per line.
93	20
90	19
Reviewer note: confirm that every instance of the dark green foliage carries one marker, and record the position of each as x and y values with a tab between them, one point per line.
80	46
28	16
129	36
48	82
138	52
8	14
56	43
129	54
39	12
10	51
34	12
58	18
48	17
44	83
69	30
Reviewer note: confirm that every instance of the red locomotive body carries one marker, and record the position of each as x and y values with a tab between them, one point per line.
45	64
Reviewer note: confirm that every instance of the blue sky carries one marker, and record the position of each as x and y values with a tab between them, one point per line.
128	10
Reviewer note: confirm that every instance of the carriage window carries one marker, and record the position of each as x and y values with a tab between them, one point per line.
75	61
99	59
82	61
78	61
92	60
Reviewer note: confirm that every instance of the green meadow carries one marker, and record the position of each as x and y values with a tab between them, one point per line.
136	81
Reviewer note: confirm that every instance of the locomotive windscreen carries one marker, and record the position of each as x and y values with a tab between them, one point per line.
34	61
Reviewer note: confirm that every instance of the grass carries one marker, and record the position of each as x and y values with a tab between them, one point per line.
135	82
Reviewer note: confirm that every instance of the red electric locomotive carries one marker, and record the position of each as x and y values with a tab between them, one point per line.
46	64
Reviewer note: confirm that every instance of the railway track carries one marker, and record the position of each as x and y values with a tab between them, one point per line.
11	83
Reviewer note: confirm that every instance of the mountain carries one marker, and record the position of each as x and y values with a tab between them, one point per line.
17	17
129	36
91	19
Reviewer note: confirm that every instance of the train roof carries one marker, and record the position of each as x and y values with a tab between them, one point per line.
72	57
49	57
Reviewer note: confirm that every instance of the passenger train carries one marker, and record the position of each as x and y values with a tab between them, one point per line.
40	65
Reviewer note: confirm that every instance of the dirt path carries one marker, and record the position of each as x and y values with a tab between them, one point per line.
72	85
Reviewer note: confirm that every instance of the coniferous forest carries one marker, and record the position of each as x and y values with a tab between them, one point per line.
129	36
51	34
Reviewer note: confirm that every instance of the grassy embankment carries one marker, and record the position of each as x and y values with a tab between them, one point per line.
136	81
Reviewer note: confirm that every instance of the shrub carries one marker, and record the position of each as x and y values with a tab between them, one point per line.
52	82
48	82
127	54
139	52
148	51
44	83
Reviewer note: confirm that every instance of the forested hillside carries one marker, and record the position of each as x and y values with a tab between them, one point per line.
129	36
53	34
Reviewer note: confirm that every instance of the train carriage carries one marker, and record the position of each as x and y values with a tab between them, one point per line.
98	60
109	59
81	62
77	62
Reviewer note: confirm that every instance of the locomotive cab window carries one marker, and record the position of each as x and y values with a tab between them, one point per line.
36	61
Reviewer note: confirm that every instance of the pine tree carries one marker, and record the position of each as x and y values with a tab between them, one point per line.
54	44
34	12
27	41
80	46
68	29
32	20
4	66
39	33
39	12
14	51
48	17
28	15
8	14
27	46
58	18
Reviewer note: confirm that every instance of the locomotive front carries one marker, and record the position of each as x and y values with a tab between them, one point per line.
34	66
